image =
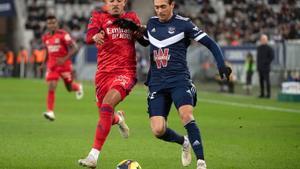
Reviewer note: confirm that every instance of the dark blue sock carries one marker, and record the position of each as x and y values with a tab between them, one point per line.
195	139
172	136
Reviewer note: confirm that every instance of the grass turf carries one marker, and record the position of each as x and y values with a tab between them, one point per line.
234	137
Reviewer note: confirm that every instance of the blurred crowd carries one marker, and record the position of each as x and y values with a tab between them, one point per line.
241	24
21	63
245	20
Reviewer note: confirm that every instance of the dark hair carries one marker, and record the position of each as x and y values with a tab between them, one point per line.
170	1
50	17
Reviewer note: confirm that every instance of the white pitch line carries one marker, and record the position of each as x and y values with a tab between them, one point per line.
243	105
262	107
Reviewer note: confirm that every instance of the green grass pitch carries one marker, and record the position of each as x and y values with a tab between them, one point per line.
239	132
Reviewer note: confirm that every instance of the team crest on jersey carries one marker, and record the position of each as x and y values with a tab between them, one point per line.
56	40
109	22
171	30
196	28
161	57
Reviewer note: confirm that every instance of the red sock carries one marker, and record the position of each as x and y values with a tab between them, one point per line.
50	100
75	86
104	125
116	119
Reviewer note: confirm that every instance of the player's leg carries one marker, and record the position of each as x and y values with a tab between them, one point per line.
159	104
70	85
185	98
49	114
124	84
106	104
106	112
52	79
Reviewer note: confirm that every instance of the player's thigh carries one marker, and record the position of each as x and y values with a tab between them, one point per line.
159	104
123	83
184	95
52	75
65	73
102	86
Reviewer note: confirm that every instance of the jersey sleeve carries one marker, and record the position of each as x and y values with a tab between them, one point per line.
193	31
93	27
136	19
94	21
146	37
67	39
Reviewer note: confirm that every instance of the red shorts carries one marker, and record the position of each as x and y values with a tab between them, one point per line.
65	72
121	82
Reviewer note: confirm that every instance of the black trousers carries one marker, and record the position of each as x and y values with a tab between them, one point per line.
264	78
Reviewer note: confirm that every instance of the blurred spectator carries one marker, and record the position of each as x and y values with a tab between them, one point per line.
265	56
292	76
2	63
10	62
38	57
250	67
22	61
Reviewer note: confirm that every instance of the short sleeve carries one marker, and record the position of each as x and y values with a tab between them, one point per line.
94	21
67	39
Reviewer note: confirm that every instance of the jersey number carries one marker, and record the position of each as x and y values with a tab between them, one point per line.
161	57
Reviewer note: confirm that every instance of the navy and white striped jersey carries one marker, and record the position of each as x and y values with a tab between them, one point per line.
168	47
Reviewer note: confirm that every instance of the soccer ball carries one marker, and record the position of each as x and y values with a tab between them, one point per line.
128	164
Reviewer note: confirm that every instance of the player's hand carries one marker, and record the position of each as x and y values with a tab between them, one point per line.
225	73
140	32
99	37
126	24
61	61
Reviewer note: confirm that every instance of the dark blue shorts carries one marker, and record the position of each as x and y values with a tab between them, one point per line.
160	101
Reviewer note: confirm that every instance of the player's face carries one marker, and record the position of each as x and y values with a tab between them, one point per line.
116	7
52	24
163	9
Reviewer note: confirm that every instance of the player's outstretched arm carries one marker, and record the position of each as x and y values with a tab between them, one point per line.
139	35
224	70
139	30
93	28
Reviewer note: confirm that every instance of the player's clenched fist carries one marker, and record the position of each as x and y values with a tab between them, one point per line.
99	37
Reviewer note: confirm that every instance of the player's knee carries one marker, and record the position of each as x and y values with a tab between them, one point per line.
186	117
158	131
52	86
112	98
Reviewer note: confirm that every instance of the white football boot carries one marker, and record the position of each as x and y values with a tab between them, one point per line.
201	164
88	162
79	93
49	115
123	128
186	157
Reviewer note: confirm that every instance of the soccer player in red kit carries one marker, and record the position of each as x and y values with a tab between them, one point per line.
60	48
116	70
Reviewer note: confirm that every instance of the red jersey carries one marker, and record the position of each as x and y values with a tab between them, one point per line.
57	46
117	53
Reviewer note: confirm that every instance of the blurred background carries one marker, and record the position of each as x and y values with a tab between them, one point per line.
235	24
